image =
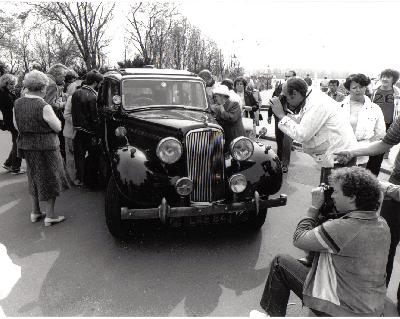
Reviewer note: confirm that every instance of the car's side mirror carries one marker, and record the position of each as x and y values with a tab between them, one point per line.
116	102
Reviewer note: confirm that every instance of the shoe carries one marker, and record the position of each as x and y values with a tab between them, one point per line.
7	168
258	314
50	221
36	217
284	169
18	171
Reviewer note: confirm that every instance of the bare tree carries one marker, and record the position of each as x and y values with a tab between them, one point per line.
85	21
52	45
149	28
7	26
178	45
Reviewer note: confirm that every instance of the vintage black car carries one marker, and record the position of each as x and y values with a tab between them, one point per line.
166	159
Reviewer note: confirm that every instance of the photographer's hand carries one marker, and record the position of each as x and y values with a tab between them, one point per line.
317	200
343	157
277	108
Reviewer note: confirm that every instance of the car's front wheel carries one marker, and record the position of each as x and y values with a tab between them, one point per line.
117	227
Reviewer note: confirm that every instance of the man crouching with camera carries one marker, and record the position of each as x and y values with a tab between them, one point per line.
347	276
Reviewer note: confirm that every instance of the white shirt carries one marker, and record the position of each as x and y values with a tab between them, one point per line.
368	126
322	128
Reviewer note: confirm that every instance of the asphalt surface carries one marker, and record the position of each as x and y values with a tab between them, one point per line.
77	268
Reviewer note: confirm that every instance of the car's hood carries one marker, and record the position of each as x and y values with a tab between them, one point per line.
178	118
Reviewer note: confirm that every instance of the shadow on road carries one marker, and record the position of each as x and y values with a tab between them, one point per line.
77	268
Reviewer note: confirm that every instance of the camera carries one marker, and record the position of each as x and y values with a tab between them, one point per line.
283	100
328	209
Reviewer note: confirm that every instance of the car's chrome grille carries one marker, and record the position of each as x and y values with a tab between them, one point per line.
205	162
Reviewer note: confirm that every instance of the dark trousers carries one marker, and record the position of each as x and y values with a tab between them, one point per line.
83	142
390	211
13	160
61	137
283	144
285	274
374	162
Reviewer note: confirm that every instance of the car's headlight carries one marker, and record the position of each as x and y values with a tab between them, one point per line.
242	148
169	150
237	183
184	186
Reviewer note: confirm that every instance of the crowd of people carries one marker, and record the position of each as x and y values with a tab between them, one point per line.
350	259
52	120
346	127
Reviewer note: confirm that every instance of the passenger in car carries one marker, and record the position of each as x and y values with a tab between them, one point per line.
228	115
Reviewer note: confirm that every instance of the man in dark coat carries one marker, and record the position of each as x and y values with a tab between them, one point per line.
85	121
228	115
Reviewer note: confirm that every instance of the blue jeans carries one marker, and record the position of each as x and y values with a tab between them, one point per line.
285	274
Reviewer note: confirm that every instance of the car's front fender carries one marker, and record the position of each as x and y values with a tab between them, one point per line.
135	179
262	170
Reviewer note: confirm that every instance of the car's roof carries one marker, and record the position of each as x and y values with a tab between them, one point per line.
131	72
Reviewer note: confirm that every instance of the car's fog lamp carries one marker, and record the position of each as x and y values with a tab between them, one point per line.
242	148
237	183
184	186
120	131
169	150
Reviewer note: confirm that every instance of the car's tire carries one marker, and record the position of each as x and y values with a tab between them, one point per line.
118	228
255	222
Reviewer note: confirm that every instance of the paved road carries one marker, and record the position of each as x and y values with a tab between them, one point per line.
77	268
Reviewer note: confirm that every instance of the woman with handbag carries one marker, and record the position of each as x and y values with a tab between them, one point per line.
7	99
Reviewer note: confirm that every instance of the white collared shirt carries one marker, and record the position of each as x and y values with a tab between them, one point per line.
322	128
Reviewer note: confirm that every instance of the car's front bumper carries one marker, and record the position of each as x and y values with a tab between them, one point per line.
164	211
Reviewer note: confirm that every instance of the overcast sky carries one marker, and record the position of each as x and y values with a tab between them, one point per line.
353	35
356	36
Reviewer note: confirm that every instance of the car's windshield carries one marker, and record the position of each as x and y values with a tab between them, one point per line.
137	93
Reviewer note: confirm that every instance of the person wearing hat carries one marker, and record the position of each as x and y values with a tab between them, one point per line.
210	84
228	114
233	96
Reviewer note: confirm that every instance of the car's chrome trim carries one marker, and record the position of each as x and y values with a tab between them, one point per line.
205	152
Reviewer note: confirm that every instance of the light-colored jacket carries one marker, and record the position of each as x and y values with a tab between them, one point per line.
370	123
396	96
69	130
321	126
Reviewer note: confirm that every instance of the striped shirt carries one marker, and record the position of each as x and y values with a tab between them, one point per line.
392	136
348	274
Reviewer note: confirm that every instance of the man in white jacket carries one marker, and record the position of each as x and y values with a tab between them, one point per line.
317	121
